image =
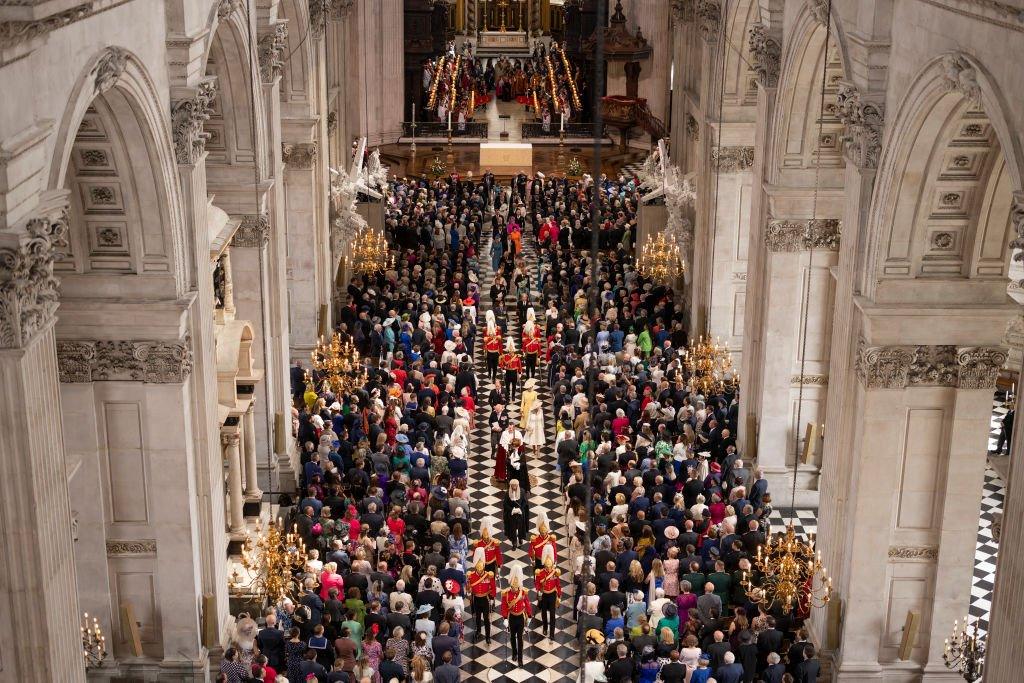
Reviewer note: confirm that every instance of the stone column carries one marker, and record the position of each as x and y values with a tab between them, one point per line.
37	578
236	521
921	429
252	487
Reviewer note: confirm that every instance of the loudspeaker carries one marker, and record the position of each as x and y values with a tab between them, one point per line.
281	434
910	629
325	323
810	441
751	437
130	629
834	622
209	621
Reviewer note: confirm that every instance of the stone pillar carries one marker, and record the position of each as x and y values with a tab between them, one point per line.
921	429
252	487
37	578
236	521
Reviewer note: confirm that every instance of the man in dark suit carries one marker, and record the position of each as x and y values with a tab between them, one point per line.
775	670
717	650
796	651
731	671
674	671
758	489
311	600
443	642
807	671
621	670
400	617
611	598
271	642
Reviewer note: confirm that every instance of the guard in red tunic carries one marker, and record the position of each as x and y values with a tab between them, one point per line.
515	607
547	581
491	548
492	345
541	540
531	342
512	363
483	587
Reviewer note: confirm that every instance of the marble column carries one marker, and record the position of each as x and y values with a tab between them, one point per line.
236	521
252	487
37	577
920	432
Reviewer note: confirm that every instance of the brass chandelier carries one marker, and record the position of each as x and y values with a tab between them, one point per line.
370	252
710	366
965	653
787	572
273	560
339	364
94	643
660	260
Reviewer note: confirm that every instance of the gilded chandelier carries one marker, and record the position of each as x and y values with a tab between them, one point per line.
94	643
965	653
660	260
339	363
710	366
788	572
272	561
370	252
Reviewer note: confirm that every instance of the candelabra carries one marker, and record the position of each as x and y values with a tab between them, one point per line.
965	652
568	75
710	366
273	561
94	643
788	572
370	252
660	260
437	80
339	363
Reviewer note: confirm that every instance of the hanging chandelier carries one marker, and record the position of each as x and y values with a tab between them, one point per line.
94	643
272	559
370	252
660	260
787	572
339	364
964	653
710	366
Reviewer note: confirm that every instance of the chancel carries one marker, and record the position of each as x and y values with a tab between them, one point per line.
443	341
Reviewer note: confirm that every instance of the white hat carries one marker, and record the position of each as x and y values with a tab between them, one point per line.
450	345
542	521
509	344
515	573
478	556
547	554
530	383
530	315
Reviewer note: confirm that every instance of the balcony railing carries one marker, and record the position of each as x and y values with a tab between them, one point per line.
439	129
572	130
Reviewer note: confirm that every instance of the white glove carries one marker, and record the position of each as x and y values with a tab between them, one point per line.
505	621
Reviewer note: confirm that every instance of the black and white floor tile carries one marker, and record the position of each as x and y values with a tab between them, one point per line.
545	661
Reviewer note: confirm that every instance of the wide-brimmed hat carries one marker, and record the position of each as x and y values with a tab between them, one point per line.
424	609
672	532
402	438
595	637
452	586
530	383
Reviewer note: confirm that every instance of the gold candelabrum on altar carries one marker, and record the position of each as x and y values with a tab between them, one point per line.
788	572
660	260
273	560
94	643
339	363
710	366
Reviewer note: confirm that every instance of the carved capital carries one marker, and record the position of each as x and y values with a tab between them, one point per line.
339	9
979	366
732	159
319	10
883	367
187	119
229	439
959	75
790	236
913	552
144	546
766	52
153	362
270	48
862	122
253	231
709	19
819	10
298	155
109	68
28	287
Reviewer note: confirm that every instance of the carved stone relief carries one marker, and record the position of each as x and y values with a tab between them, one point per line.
155	362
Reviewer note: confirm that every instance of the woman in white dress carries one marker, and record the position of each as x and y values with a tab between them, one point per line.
533	414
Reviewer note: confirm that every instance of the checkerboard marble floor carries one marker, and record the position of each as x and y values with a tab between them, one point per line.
544	660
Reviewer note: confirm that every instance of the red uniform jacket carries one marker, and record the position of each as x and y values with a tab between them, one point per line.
510	361
516	601
492	551
531	343
548	581
482	584
492	343
537	544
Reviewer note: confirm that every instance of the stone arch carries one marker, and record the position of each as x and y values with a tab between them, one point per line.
740	77
795	148
236	127
941	213
114	156
298	75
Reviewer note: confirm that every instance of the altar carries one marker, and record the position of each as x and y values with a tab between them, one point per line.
506	157
503	40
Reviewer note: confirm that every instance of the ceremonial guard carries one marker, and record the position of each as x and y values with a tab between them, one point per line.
483	587
541	540
512	364
547	581
531	342
516	464
515	607
492	344
501	453
491	548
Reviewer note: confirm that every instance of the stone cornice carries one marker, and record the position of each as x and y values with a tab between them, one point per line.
28	288
253	231
899	367
14	32
154	362
790	236
298	155
766	52
862	123
732	159
187	119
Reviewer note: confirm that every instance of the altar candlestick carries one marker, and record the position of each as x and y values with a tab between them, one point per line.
449	120
562	129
